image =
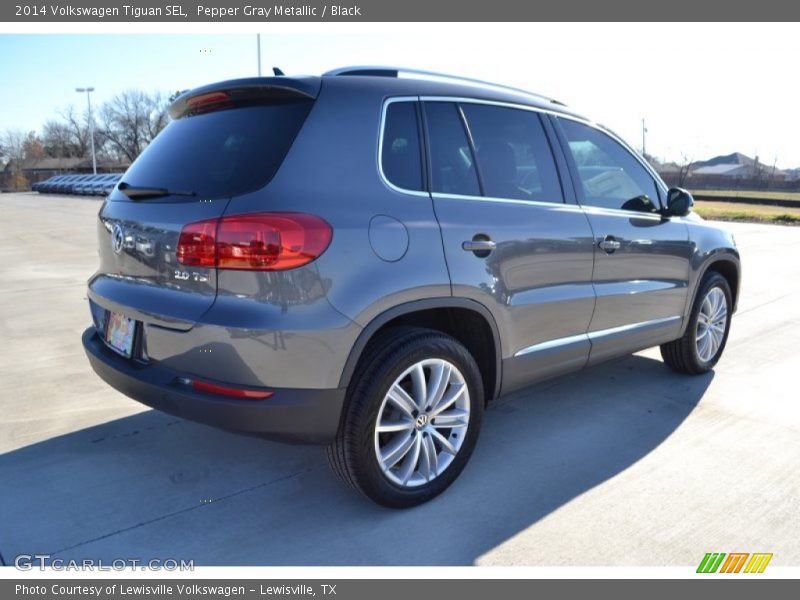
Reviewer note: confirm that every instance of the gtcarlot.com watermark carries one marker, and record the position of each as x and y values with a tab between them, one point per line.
29	562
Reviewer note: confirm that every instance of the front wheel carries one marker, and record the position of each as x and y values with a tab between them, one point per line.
412	419
707	331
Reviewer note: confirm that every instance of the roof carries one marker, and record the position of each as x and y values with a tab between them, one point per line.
736	158
383	80
424	87
723	169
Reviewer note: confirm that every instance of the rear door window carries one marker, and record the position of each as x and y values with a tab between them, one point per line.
452	163
221	153
513	153
401	158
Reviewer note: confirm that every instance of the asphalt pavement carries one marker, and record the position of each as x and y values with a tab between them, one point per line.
625	463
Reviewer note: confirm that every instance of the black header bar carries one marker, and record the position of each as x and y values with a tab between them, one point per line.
264	11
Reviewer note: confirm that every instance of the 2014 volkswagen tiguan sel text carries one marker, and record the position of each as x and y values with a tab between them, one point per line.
364	260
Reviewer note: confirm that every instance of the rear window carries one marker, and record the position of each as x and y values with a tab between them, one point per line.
222	153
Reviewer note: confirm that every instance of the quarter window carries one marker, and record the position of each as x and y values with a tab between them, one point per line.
611	176
401	159
513	154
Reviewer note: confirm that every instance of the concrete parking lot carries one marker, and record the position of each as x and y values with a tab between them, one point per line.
626	463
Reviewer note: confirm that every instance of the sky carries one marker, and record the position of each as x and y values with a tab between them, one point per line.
703	89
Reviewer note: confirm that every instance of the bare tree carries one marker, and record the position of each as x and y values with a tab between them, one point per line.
12	145
67	136
15	147
771	177
131	120
684	168
759	173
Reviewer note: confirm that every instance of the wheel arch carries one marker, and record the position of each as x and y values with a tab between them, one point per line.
726	264
425	313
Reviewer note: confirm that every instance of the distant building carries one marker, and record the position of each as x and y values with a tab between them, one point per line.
734	170
727	171
792	174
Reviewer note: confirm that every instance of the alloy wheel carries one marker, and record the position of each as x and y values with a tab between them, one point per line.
711	323
422	422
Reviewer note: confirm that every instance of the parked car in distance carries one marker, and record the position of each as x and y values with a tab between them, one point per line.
75	187
104	186
48	185
364	260
79	185
65	185
93	187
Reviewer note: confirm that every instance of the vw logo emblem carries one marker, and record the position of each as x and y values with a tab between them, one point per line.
422	420
117	239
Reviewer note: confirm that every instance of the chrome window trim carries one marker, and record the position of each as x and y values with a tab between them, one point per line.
383	177
595	335
631	214
459	99
560	205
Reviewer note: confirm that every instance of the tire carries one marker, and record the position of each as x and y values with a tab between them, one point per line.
395	359
688	354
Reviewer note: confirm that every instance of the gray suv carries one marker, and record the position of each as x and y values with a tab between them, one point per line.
364	260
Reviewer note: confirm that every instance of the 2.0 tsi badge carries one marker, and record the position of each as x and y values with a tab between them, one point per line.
117	238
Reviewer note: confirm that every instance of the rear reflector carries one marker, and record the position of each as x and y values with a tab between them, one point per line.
254	242
202	386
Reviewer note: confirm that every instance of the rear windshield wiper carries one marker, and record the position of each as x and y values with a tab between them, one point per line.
137	191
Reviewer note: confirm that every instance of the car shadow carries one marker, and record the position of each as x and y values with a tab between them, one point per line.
154	486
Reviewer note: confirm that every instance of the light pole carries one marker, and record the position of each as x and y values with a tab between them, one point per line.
258	52
88	91
644	135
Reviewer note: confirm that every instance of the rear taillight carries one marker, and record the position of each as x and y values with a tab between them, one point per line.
254	242
197	246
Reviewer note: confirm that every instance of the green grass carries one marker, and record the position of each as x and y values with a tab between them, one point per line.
752	213
762	195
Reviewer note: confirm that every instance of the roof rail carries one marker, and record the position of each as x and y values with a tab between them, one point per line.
373	71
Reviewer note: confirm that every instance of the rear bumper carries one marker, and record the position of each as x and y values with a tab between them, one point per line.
308	416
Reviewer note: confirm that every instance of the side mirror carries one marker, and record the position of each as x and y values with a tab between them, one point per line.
679	202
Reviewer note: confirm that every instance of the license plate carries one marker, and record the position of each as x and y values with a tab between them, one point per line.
119	333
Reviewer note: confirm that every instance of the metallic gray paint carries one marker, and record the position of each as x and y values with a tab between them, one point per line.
553	300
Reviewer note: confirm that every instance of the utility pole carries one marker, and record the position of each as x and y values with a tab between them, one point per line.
88	91
258	52
644	135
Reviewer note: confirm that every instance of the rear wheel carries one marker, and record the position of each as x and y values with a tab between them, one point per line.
412	420
706	334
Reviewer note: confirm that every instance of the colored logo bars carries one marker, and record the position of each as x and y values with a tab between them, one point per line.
714	562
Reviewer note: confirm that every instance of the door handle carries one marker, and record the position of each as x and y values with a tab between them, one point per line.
478	246
609	244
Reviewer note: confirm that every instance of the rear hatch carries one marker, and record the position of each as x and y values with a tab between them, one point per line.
225	140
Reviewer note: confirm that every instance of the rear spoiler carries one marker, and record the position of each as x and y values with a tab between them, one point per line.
245	91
